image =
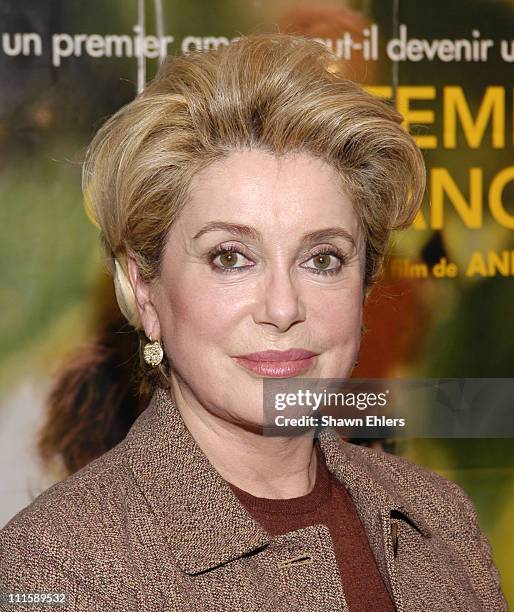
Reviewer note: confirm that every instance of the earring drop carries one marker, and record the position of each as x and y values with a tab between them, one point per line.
153	353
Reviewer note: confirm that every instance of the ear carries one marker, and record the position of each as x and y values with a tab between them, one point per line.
142	292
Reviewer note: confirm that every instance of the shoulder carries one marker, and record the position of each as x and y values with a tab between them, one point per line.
95	488
58	536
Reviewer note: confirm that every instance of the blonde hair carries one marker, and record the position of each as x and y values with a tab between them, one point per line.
276	92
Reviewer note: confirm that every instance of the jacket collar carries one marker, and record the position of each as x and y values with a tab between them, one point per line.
202	519
377	498
371	485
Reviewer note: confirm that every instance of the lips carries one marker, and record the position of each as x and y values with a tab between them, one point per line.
278	364
289	355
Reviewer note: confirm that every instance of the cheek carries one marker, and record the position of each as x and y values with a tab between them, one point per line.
337	316
197	314
338	330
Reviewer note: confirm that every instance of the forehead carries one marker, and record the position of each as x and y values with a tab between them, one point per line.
291	193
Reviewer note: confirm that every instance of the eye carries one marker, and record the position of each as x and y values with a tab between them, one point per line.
226	259
328	261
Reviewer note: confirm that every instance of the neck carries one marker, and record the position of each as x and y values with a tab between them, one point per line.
264	466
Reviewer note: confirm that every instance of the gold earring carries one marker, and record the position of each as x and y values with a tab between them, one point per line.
153	353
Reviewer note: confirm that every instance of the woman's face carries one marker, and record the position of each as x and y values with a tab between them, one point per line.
267	255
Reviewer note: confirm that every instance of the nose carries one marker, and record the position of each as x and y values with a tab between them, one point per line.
279	303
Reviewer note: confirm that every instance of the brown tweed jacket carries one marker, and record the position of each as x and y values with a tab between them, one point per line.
152	526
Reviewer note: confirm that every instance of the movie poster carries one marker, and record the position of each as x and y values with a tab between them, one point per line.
444	306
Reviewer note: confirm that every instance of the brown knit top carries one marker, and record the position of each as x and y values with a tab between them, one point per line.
330	504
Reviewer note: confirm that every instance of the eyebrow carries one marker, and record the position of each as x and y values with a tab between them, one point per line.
246	231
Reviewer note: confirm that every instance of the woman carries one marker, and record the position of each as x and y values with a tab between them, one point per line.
245	200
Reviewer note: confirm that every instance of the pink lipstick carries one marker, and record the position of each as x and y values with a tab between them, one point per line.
278	364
